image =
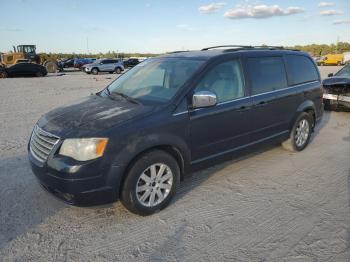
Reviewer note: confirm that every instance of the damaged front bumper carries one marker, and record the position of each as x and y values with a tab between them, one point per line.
341	98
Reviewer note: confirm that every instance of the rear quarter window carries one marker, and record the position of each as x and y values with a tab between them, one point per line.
300	69
266	74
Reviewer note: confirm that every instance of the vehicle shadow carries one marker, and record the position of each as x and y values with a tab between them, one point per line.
201	173
320	125
21	196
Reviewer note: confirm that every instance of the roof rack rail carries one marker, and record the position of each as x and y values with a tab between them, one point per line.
242	47
175	52
221	46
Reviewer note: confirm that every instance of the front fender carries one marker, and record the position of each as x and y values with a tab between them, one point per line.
138	143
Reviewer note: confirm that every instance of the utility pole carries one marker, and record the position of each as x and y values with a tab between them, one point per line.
87	45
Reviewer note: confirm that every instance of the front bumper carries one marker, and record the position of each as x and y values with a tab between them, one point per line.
337	101
83	184
340	98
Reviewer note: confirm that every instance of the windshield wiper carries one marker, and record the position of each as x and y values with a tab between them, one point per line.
126	97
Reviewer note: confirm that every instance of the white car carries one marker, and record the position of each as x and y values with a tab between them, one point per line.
104	65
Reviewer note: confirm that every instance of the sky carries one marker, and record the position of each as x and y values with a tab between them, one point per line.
159	26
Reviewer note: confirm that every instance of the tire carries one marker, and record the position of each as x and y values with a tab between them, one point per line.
302	129
118	70
3	75
94	71
39	74
51	66
139	188
327	105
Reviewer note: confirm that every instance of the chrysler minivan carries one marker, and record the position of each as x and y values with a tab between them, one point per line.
138	138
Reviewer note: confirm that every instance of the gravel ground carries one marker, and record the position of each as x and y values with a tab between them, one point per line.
272	205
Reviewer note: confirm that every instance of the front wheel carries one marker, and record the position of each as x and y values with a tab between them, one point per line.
118	70
3	75
94	71
150	183
300	134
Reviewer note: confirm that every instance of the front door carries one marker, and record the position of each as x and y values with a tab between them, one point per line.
225	127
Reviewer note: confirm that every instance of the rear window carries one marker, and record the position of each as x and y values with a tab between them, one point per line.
300	70
266	74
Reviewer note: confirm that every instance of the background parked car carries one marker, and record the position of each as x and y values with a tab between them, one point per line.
346	59
23	69
104	65
331	59
337	90
79	62
66	63
131	62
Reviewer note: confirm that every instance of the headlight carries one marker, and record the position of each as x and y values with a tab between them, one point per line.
83	149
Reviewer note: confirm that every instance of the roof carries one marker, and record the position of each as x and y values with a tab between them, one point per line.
210	52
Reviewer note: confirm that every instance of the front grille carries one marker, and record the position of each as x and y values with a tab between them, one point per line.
41	143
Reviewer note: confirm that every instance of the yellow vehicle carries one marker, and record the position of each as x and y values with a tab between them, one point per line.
27	53
331	59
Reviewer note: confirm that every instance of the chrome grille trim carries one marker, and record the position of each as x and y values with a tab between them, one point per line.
42	143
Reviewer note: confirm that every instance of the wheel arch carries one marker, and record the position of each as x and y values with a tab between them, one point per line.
307	106
180	154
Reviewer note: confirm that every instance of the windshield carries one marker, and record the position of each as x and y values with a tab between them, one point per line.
155	80
345	71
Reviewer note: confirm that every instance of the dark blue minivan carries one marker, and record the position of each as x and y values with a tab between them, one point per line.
136	139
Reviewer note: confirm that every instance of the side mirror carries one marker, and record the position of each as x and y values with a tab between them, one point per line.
204	99
330	75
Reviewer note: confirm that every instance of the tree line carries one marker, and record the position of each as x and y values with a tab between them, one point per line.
320	50
312	49
110	54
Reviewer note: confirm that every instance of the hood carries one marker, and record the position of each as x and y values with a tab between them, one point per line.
336	80
90	115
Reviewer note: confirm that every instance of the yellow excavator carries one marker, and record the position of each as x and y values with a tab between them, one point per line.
27	53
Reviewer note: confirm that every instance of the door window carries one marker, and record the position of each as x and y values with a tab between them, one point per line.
225	80
266	74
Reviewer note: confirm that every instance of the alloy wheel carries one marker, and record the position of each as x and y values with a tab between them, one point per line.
154	185
302	132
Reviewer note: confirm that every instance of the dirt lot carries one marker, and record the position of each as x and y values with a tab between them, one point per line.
270	206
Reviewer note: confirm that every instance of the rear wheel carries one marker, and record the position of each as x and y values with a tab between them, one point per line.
94	71
300	134
118	70
39	74
150	183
